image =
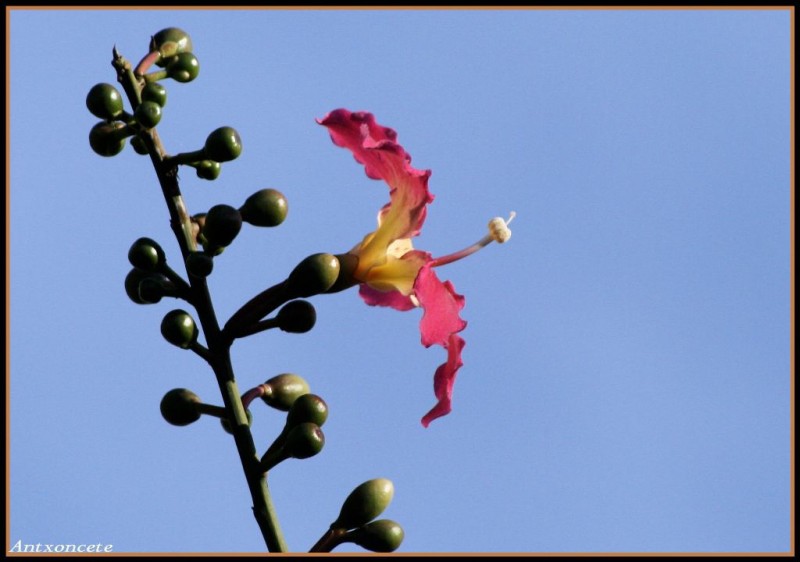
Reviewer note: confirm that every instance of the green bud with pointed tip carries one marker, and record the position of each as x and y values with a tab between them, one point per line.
222	224
179	406
199	264
282	390
154	92
314	275
179	329
297	317
223	145
208	169
365	503
227	426
169	42
267	207
383	535
104	101
146	254
308	408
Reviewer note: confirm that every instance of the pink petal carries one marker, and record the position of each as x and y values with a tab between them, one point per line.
442	306
439	325
393	299
375	147
444	378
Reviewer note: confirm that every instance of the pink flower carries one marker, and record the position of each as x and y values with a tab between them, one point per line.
389	271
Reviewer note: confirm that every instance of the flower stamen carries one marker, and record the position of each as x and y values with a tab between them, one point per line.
498	232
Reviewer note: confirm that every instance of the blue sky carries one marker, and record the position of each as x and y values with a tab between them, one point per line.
627	373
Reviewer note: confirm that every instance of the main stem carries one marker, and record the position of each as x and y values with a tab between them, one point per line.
218	344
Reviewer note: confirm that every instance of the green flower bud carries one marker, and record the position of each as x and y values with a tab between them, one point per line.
199	264
267	207
222	224
148	114
108	139
154	287
179	329
383	535
144	287
315	274
365	503
304	440
307	408
132	280
227	426
282	390
169	42
146	254
179	406
104	101
347	265
301	442
154	92
223	145
297	317
139	146
183	67
208	169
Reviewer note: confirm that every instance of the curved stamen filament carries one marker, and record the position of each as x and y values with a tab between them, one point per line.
498	231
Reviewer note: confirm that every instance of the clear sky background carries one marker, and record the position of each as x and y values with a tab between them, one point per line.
627	373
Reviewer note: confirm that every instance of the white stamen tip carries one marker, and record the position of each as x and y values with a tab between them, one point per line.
498	228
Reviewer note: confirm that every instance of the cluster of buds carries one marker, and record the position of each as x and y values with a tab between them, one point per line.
203	237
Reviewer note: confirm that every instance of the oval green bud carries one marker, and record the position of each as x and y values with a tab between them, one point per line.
183	67
223	145
148	114
104	101
304	440
108	139
227	426
347	266
132	280
154	92
365	503
179	406
154	287
282	390
222	224
199	264
208	169
314	275
144	287
267	207
383	535
139	146
297	317
307	408
179	329
169	42
146	254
